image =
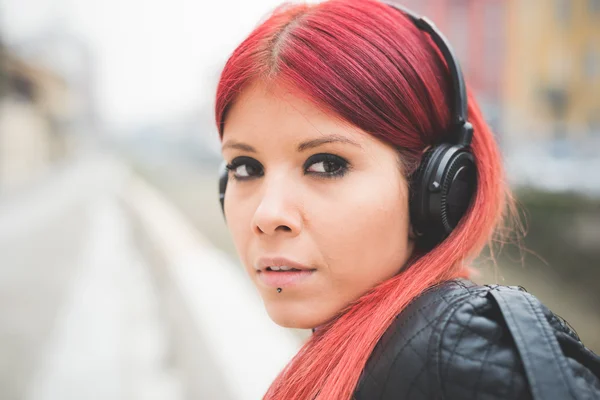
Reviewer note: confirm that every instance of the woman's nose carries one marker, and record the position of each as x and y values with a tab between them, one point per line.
278	210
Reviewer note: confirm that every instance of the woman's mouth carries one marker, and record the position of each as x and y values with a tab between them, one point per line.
283	276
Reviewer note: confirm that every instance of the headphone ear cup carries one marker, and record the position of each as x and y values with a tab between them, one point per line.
223	178
442	188
458	187
419	198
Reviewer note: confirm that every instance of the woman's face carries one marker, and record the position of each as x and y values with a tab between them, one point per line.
309	191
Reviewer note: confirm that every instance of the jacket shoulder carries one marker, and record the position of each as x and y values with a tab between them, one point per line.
447	343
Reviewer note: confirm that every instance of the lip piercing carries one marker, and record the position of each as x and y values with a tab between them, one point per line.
278	290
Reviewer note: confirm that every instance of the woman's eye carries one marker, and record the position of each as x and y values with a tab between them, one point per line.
242	171
245	168
321	165
326	167
327	164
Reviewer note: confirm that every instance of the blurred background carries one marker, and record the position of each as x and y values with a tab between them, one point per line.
108	195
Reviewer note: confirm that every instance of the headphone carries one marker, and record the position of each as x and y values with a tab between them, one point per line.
442	186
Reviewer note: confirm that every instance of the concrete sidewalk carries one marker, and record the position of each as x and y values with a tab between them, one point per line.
109	342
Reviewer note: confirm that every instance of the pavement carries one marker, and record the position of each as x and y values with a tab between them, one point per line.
79	317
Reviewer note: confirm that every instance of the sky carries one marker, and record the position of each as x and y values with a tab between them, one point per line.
154	58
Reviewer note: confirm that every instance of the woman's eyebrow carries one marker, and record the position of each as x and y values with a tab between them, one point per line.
309	144
232	144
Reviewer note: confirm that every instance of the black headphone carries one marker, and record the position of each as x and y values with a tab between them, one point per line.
443	185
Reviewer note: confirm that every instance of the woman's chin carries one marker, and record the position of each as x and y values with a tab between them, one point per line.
293	316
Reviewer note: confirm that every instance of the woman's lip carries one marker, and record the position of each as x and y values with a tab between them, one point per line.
265	262
281	279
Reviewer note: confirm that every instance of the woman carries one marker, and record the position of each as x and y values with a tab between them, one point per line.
356	200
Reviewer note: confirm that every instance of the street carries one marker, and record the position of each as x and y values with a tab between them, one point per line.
80	318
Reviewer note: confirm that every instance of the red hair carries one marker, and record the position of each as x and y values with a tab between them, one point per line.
370	65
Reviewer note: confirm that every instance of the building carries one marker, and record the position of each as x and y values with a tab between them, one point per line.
552	76
34	109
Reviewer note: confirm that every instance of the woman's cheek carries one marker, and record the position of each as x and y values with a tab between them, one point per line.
239	228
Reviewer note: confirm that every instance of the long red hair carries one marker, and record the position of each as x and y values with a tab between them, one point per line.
370	65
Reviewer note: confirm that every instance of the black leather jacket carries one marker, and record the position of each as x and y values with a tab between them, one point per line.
452	343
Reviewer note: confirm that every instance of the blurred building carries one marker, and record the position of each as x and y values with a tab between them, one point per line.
552	89
34	108
551	120
70	56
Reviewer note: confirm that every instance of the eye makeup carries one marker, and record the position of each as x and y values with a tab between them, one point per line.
321	165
